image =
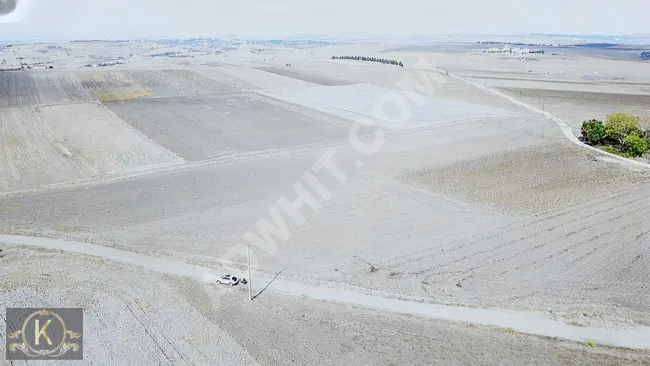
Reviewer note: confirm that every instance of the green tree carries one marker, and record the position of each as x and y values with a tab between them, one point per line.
645	134
635	145
593	132
619	126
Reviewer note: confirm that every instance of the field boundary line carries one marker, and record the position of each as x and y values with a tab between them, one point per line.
181	164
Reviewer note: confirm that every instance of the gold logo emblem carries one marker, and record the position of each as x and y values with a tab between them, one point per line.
44	334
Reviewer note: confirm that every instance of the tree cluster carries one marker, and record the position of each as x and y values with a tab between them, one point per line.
372	59
620	133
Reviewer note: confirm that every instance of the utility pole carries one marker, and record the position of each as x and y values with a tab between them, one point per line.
543	104
248	255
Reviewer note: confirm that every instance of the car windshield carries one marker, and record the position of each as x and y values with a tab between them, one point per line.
393	182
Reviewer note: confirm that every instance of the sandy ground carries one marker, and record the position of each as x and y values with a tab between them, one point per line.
475	201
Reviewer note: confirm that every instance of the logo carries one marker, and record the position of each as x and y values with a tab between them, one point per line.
44	334
7	6
14	11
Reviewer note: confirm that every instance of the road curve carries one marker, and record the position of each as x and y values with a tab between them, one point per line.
530	322
566	129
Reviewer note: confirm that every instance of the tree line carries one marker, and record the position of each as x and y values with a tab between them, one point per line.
621	134
372	59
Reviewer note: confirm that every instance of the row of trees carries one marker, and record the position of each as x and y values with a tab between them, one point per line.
372	59
621	134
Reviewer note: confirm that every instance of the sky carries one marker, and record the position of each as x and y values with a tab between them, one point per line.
88	19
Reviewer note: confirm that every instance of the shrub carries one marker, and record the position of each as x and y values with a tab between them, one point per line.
593	132
635	145
645	134
619	126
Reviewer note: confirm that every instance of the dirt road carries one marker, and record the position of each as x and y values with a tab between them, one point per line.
526	322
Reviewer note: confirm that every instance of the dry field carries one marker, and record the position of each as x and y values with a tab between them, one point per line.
473	201
253	78
573	93
62	87
162	83
588	255
24	89
44	145
528	181
205	128
137	317
316	79
570	68
574	107
360	103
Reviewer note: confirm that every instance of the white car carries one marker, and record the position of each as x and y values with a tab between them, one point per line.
228	280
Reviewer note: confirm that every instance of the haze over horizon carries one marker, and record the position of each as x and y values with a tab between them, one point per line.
77	19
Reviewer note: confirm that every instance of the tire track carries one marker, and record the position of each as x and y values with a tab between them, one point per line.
146	328
573	267
526	226
548	272
546	245
491	251
486	273
541	267
162	334
617	263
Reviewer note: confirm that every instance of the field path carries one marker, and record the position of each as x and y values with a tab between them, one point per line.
566	129
529	322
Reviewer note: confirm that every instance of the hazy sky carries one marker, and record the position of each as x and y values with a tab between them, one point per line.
186	18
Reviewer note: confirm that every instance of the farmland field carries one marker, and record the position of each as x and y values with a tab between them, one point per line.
62	143
24	89
370	197
204	128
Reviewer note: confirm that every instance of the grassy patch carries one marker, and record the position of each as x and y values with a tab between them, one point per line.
70	229
112	97
511	330
614	150
9	285
591	344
